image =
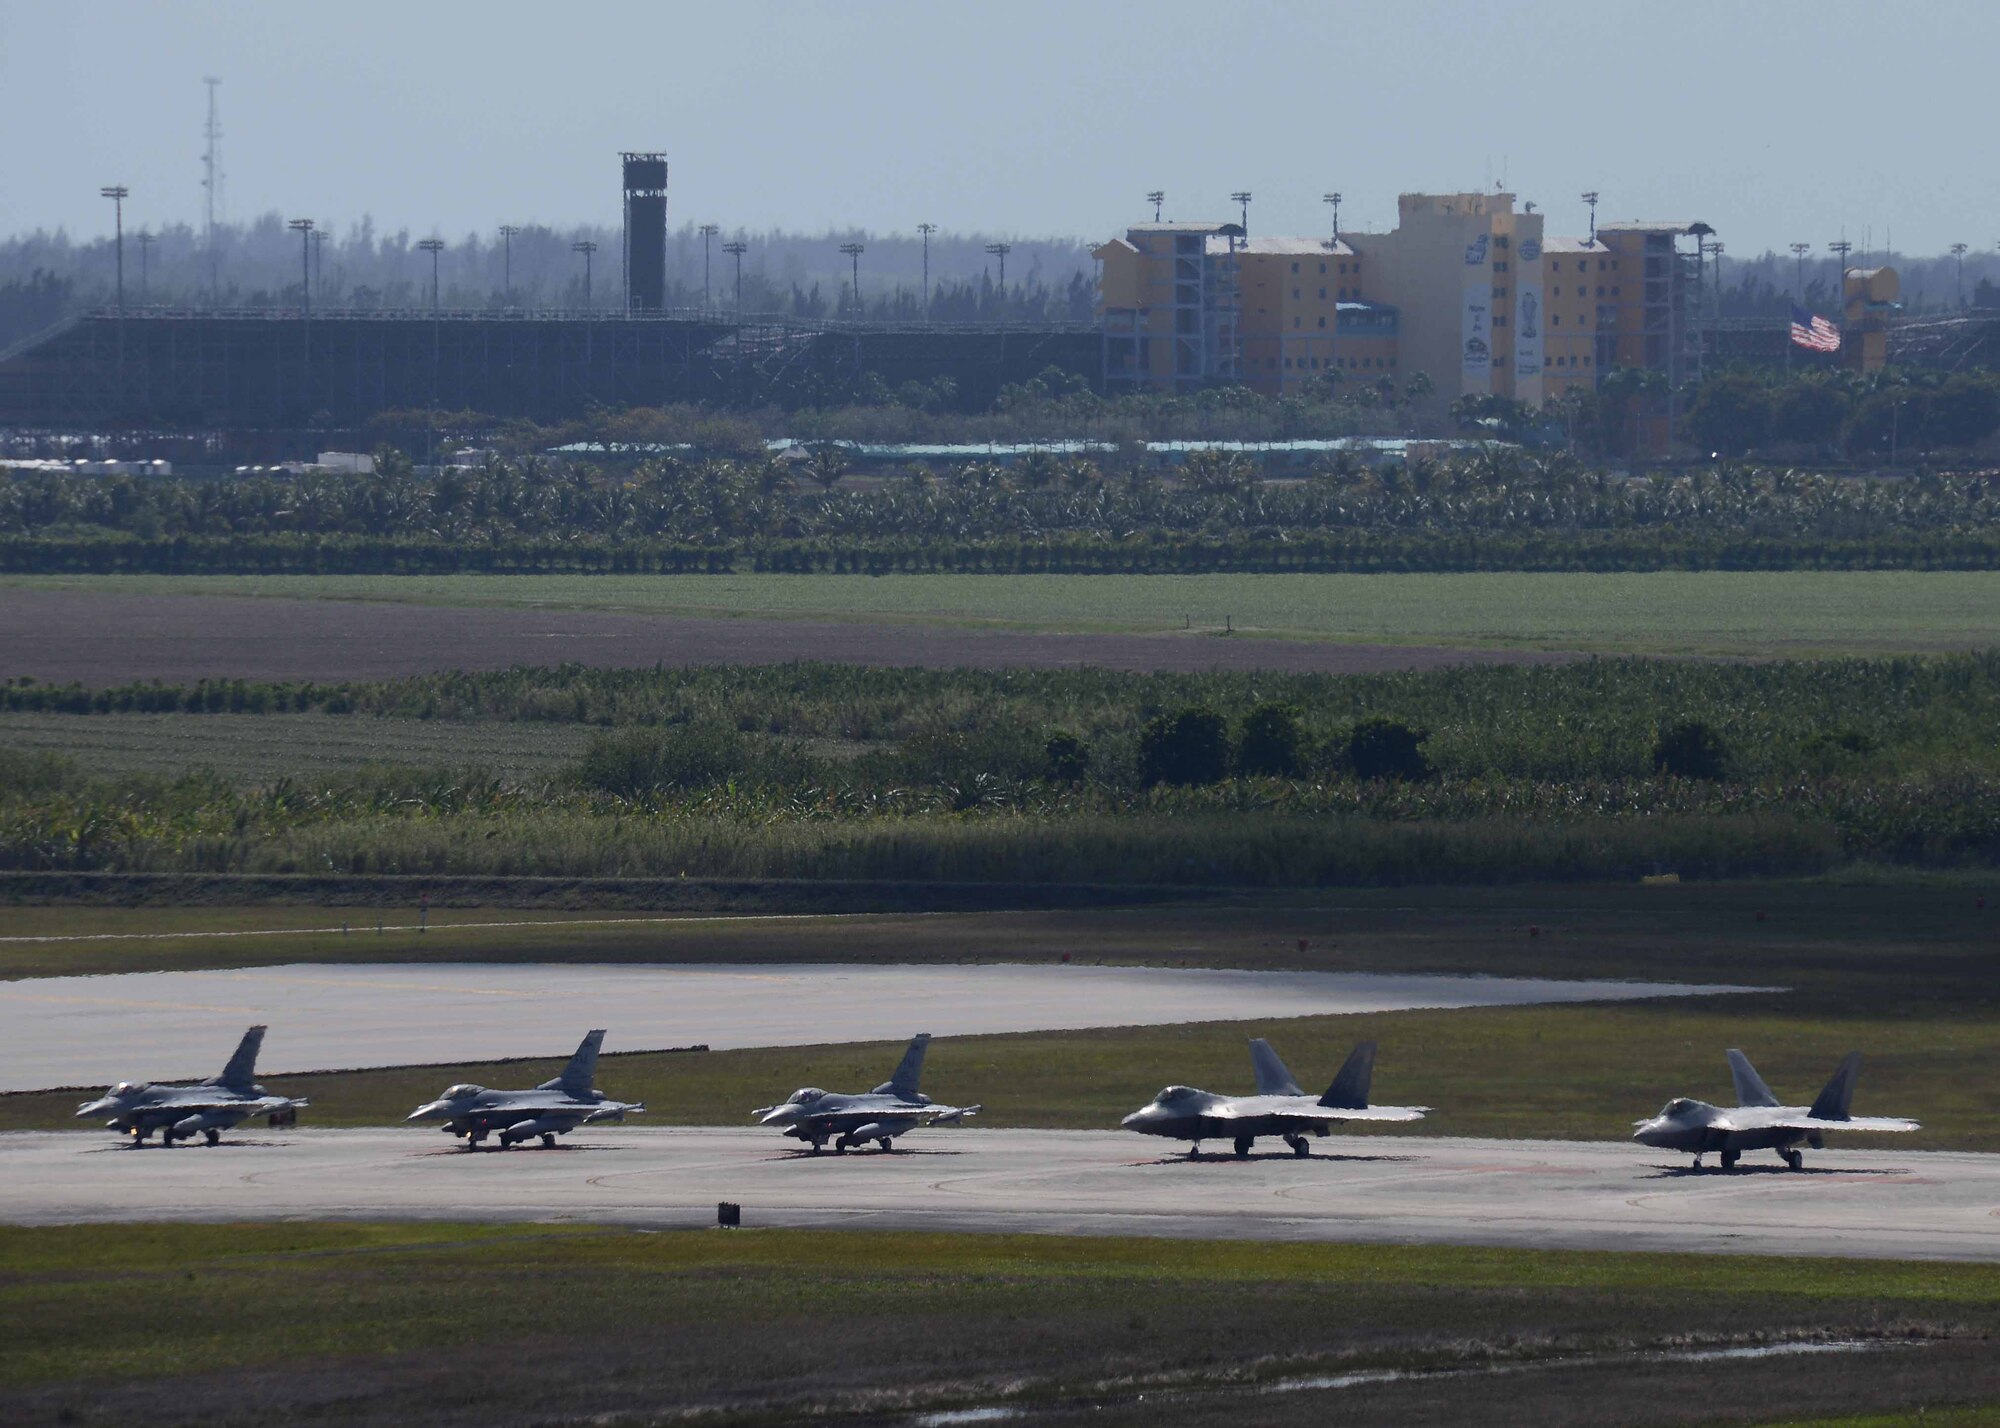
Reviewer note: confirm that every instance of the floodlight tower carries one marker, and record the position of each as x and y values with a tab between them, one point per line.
1156	197
854	252
319	263
1333	200
211	189
1242	199
1000	251
1591	199
707	231
1799	251
304	228
507	235
1958	252
736	250
585	247
1840	251
433	246
927	229
146	241
118	193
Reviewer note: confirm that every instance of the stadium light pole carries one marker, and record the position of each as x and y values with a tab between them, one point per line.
1840	251
707	231
146	241
1242	199
118	193
585	247
736	250
507	232
1591	199
319	265
854	252
1000	251
433	246
1799	251
927	229
1156	197
1958	283
1333	200
304	228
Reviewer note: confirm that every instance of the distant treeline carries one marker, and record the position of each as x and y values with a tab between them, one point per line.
1495	509
1597	770
44	275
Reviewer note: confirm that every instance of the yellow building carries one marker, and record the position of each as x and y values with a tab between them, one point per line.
1572	270
1167	305
1869	297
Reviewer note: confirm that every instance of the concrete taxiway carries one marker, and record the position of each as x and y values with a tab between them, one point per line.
89	1031
1400	1189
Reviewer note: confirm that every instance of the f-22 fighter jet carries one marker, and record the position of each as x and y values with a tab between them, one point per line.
891	1109
551	1109
1279	1108
139	1108
1758	1122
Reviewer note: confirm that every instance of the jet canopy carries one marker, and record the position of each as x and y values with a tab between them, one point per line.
806	1094
128	1088
461	1092
1679	1106
1173	1093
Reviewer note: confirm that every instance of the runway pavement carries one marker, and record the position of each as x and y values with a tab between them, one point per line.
91	1031
1394	1189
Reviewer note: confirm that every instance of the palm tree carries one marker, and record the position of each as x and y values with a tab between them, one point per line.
826	465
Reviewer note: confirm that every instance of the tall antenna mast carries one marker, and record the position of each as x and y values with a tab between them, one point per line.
211	187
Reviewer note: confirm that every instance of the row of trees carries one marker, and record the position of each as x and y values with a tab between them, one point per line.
1894	414
772	502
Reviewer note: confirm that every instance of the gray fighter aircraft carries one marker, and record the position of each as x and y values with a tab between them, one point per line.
891	1109
1758	1122
553	1108
139	1108
1279	1108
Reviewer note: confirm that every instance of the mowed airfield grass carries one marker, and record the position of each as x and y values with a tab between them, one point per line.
438	1323
1905	973
1752	613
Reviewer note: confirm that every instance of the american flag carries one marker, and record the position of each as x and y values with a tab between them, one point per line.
1811	330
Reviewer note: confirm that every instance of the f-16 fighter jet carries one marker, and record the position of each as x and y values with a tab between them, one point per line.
553	1108
178	1112
1279	1108
1758	1122
891	1109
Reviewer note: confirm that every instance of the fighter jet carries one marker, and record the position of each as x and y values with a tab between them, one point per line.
1758	1122
212	1107
553	1108
1279	1108
891	1109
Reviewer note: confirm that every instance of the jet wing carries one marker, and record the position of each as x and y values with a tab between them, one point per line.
1746	1118
1243	1108
950	1115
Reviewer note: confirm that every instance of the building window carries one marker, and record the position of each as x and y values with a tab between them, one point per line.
1500	266
1555	319
1295	322
1295	294
1614	290
1288	364
1322	294
1322	273
1583	265
1295	267
1555	292
1499	319
1315	364
1322	321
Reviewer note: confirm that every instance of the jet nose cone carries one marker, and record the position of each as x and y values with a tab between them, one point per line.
780	1115
1135	1121
425	1111
93	1108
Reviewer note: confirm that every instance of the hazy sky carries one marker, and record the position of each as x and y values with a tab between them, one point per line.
1771	120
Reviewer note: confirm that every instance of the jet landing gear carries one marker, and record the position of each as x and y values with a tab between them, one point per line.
1299	1144
1729	1158
1243	1144
1796	1159
212	1136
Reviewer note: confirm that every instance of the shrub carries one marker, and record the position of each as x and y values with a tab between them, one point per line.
1690	749
1189	747
634	762
1069	757
1273	742
1381	748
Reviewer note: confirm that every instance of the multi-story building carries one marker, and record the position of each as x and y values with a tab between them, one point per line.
1465	289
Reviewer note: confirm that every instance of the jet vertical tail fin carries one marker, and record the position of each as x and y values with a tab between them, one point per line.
1349	1091
1750	1087
242	1067
1834	1101
1272	1077
581	1073
909	1070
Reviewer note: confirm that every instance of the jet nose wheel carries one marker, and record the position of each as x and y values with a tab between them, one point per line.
884	1142
549	1139
1299	1144
1796	1159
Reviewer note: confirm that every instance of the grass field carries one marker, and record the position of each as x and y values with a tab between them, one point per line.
1903	973
368	1324
257	748
1718	612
